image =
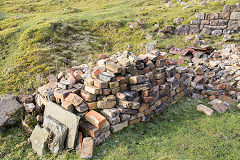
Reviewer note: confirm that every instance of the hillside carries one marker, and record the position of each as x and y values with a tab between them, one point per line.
39	37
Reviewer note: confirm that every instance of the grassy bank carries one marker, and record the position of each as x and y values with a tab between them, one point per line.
37	36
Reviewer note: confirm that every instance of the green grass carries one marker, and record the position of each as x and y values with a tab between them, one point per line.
181	132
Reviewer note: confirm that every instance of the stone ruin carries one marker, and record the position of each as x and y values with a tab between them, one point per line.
83	106
225	22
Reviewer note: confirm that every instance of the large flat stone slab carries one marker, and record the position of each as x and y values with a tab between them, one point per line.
70	120
10	110
59	134
39	140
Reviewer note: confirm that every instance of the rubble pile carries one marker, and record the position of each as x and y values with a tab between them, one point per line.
217	75
85	104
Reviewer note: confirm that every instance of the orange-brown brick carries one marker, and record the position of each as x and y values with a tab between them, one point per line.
95	118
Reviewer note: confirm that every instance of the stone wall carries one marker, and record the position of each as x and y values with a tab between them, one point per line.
225	22
109	95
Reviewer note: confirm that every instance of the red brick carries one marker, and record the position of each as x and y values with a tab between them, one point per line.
74	99
95	118
89	129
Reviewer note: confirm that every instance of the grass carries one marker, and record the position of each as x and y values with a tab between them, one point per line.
31	48
181	132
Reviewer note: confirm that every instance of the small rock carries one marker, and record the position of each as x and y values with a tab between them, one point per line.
219	106
208	111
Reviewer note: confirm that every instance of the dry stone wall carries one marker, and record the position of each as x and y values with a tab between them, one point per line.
107	96
225	22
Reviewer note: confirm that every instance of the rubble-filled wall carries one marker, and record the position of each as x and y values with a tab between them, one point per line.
225	22
109	95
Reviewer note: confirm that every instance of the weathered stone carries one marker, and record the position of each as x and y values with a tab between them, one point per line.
59	134
100	84
93	90
200	16
106	104
217	32
87	148
88	97
10	111
113	84
137	79
95	118
82	107
102	137
124	61
127	111
182	30
140	87
65	84
127	96
119	126
218	105
74	99
110	113
224	15
70	120
206	31
226	98
39	140
68	106
106	76
30	107
89	129
79	143
125	117
235	15
206	110
113	67
61	94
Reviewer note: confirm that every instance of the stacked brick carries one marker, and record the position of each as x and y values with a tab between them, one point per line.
225	22
118	91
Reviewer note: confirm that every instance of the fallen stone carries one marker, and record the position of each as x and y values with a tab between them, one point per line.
206	110
39	140
102	137
70	120
10	111
87	148
119	126
218	105
59	132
